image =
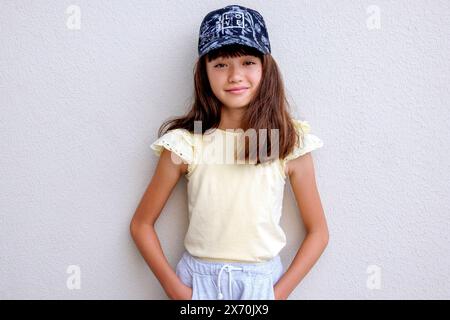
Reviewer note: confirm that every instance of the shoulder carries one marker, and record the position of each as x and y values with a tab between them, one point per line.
180	142
307	142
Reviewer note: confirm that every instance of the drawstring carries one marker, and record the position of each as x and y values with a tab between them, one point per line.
228	268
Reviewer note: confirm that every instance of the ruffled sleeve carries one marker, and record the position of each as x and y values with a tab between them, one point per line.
308	142
179	141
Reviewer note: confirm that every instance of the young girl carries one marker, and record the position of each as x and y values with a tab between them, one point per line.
234	238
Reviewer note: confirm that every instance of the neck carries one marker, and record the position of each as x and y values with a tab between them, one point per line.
231	118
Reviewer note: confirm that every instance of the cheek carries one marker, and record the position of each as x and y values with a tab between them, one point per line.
213	80
256	77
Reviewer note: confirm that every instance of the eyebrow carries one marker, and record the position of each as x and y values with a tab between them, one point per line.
241	57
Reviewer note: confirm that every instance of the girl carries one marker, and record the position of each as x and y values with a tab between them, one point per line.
233	240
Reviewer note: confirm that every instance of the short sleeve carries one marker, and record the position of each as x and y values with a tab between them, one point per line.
179	141
307	143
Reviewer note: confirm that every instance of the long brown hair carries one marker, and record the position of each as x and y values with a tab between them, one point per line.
267	110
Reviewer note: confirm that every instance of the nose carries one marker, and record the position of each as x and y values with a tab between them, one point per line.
235	74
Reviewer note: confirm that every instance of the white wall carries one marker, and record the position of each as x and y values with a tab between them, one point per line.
79	109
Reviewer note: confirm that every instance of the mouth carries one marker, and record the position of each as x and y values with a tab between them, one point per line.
237	91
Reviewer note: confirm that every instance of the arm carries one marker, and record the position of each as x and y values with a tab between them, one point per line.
142	226
302	178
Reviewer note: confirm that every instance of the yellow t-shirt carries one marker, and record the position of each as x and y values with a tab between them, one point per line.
234	208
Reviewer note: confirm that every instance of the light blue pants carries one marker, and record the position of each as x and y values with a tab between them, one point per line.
229	281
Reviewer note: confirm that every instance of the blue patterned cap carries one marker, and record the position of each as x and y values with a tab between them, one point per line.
233	24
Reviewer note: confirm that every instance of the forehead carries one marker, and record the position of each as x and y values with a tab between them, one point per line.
224	58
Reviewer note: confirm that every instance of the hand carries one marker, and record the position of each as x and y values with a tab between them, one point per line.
181	292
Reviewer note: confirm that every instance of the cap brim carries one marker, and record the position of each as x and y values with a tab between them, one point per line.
230	41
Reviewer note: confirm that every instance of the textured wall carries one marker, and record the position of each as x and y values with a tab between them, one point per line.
80	107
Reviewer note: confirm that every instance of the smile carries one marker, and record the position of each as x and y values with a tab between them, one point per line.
237	91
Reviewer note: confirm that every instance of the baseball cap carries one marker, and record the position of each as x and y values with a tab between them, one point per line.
233	24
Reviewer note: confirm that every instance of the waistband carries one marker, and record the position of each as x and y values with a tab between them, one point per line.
212	267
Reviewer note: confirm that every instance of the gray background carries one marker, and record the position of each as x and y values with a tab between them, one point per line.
79	109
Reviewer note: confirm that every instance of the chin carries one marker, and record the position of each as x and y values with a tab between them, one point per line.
235	106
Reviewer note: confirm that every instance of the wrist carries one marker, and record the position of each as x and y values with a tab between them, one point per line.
281	293
170	286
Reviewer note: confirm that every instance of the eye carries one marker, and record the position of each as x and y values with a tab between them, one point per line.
221	64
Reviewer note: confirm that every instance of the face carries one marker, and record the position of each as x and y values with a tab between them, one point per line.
235	72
